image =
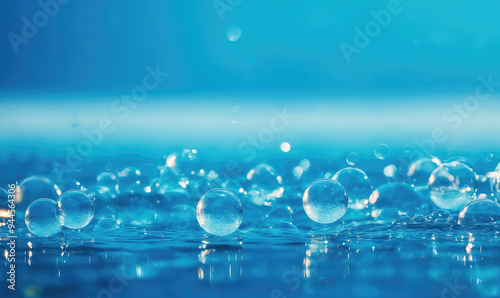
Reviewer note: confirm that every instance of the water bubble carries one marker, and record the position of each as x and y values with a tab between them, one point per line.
41	218
297	172
397	198
72	184
257	196
390	171
439	214
285	147
108	166
182	216
480	211
419	218
452	186
106	225
305	164
33	188
280	213
233	33
265	177
352	158
453	219
356	184
407	149
129	176
463	160
219	212
325	201
187	162
283	226
420	170
382	151
108	180
75	209
402	220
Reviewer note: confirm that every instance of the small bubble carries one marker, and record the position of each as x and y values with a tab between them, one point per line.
407	149
382	151
352	158
233	33
390	171
305	164
285	147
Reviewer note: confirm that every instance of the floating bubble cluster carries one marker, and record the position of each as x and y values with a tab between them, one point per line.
186	194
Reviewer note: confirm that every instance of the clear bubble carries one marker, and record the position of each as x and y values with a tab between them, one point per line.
233	33
41	218
265	177
108	180
257	196
352	158
463	160
75	209
452	186
325	201
285	147
407	149
402	220
419	218
280	213
106	225
283	226
186	163
382	151
439	215
397	198
420	170
356	184
453	219
390	171
71	184
219	212
129	176
182	216
480	211
297	172
305	164
33	188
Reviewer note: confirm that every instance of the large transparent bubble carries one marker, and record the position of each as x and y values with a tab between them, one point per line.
41	218
75	209
480	211
33	188
452	185
265	177
397	198
219	212
325	201
356	184
420	170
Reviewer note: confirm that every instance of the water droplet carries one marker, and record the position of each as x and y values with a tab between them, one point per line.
233	33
